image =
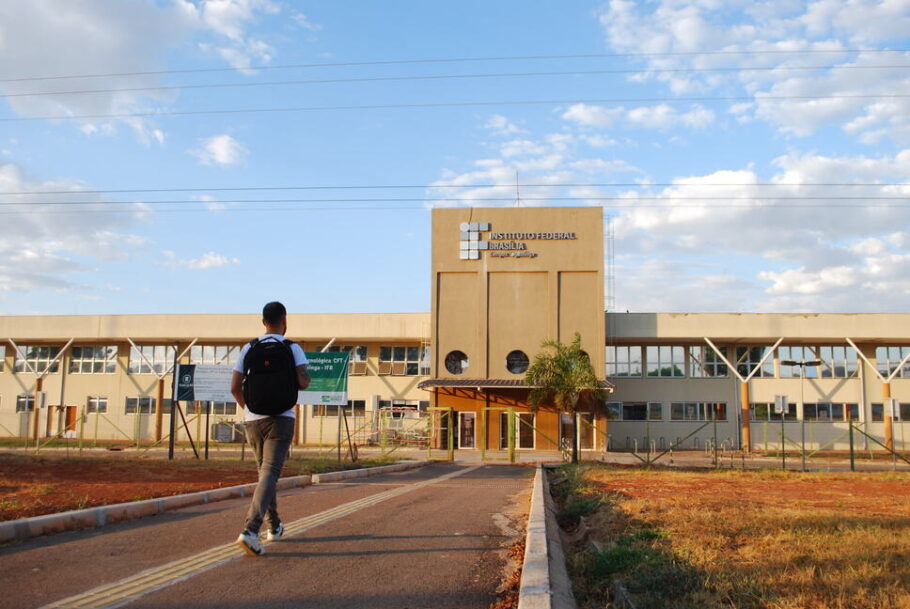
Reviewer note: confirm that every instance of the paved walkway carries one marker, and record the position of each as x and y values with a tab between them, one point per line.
433	537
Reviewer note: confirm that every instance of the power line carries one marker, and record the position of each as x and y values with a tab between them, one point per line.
444	77
333	208
630	200
476	104
468	186
459	60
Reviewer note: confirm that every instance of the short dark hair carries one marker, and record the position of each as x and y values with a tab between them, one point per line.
273	313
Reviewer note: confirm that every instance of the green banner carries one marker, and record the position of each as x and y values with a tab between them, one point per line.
328	379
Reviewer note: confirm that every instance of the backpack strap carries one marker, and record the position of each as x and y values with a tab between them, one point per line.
253	343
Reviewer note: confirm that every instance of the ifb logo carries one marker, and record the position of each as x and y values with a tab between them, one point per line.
187	379
471	245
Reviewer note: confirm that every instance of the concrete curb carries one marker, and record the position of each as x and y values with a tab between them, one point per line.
544	581
100	516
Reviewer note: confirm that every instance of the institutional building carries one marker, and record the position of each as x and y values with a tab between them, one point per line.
503	280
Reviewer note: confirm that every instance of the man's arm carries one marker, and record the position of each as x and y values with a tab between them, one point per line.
237	387
303	378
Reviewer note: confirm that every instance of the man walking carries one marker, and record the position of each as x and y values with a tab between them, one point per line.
267	375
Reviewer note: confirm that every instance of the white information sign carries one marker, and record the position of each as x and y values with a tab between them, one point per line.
203	382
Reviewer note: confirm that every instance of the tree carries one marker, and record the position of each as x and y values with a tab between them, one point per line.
562	375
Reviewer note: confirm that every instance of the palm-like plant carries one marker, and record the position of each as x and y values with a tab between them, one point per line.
562	375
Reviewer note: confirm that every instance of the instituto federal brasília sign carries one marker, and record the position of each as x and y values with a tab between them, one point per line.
477	237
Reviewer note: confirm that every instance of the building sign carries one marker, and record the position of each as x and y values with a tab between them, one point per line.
477	237
328	379
206	383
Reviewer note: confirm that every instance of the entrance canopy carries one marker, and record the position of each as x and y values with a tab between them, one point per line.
488	384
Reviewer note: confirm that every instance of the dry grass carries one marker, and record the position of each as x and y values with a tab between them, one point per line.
740	539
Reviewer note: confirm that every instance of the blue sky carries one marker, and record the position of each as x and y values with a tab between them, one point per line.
751	156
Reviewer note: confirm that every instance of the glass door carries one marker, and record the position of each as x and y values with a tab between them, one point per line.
466	427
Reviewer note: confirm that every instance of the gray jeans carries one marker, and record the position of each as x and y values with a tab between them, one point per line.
270	440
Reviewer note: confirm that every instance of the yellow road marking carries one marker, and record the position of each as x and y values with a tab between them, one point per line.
121	592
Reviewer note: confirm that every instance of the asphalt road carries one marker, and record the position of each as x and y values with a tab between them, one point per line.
432	537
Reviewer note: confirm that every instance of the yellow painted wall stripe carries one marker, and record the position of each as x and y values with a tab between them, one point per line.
119	593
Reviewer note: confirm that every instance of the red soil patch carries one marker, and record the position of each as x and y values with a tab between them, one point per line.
830	491
31	486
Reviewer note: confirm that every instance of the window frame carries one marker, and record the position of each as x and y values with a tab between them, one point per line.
107	362
98	407
617	367
25	402
400	361
666	360
699	364
19	363
138	365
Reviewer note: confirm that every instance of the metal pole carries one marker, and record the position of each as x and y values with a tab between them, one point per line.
208	413
81	428
802	401
716	463
338	412
483	434
511	439
450	432
852	460
783	446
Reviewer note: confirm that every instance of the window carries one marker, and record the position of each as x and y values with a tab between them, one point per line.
764	411
96	404
456	362
624	360
747	359
217	408
888	358
157	359
2	357
25	403
634	411
614	410
40	358
666	361
212	354
797	354
354	408
145	405
357	360
878	412
705	363
838	362
399	361
698	411
829	411
517	362
93	360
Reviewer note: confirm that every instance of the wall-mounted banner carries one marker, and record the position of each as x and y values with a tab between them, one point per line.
203	382
328	379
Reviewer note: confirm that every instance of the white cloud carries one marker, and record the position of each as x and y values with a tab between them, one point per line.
777	40
500	125
51	246
61	37
661	116
208	260
220	150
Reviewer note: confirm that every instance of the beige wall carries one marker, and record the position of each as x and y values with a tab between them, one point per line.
493	305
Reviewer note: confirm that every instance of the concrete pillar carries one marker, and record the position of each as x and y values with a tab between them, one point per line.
889	421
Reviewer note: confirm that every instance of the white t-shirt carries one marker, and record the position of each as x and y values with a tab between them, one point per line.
299	360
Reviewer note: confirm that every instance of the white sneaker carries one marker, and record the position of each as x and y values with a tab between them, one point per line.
275	534
250	543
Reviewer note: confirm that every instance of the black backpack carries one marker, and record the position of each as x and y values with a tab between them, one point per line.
269	377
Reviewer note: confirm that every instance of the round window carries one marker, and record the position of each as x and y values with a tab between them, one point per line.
456	362
517	362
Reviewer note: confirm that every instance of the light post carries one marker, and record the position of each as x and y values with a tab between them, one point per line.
802	365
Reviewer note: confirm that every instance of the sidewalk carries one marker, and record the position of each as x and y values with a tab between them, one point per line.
433	537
